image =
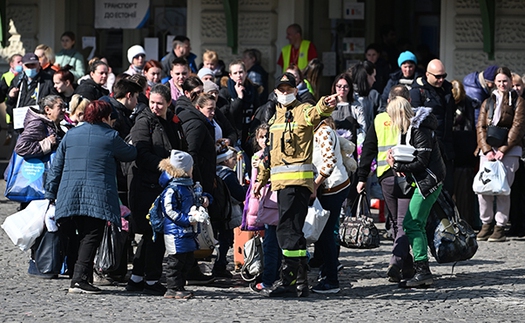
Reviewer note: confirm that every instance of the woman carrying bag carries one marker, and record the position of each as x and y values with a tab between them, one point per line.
427	170
500	131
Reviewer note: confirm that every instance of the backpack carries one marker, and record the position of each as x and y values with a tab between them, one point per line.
155	214
220	210
253	259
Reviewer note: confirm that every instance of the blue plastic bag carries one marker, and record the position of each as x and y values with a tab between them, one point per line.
26	177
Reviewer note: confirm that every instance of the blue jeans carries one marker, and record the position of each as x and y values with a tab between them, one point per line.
327	243
272	255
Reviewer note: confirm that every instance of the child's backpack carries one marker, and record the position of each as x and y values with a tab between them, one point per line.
253	259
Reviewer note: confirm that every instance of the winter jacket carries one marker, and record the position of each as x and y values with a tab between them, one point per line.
30	93
34	141
91	90
443	107
395	79
328	160
174	203
290	151
512	117
74	59
154	138
82	176
427	169
200	135
123	123
475	86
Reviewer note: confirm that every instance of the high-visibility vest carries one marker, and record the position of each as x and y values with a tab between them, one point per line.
302	60
386	139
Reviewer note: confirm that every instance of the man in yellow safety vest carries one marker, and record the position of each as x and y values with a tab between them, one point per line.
299	52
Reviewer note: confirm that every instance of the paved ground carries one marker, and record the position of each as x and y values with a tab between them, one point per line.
488	288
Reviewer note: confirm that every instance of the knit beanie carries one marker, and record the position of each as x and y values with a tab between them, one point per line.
182	160
204	71
223	154
135	50
490	73
210	86
406	56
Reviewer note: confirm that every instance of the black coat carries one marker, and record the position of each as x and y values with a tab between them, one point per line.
428	168
443	107
394	80
42	81
91	90
200	136
154	138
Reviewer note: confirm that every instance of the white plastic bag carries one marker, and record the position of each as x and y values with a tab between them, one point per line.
25	226
491	179
315	222
50	221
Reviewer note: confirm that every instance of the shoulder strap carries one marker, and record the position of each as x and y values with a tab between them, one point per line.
490	108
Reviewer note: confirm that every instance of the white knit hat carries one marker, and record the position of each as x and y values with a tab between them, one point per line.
182	160
224	154
135	50
205	71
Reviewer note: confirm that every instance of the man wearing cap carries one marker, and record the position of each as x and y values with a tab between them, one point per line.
434	91
30	86
137	59
408	72
479	85
287	162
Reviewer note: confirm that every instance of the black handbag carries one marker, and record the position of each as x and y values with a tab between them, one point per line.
497	136
450	238
403	189
48	258
360	231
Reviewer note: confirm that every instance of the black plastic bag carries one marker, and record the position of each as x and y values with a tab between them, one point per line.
110	250
450	238
48	258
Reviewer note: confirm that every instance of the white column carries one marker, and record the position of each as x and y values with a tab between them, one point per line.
447	44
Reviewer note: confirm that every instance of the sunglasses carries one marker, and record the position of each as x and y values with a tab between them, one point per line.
344	87
439	76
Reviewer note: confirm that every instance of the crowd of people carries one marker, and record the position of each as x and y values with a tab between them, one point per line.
151	138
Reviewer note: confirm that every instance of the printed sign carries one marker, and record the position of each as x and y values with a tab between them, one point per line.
121	14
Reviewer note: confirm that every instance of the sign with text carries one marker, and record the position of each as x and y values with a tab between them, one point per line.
121	14
353	10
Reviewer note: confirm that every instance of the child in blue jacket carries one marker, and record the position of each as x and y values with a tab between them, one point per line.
176	205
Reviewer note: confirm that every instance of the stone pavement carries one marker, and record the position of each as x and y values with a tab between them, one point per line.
488	288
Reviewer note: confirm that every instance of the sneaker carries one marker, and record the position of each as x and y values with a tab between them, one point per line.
34	272
325	288
198	278
156	289
179	293
258	287
223	273
83	287
394	274
135	287
498	235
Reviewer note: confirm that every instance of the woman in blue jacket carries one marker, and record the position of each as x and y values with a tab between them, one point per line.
82	180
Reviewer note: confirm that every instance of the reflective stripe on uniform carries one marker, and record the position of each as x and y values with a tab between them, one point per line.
294	253
282	126
292	168
292	176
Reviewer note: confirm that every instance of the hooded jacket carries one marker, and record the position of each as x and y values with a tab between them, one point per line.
91	90
512	117
34	141
427	169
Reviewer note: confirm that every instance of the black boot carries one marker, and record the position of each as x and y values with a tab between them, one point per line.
422	278
408	267
302	278
80	281
286	285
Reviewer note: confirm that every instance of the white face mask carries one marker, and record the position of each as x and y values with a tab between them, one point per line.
285	99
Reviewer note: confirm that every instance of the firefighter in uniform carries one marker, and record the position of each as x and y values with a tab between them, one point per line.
287	162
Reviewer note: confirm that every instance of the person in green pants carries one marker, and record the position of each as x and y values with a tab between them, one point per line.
427	171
